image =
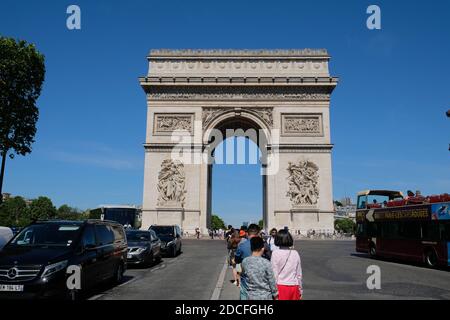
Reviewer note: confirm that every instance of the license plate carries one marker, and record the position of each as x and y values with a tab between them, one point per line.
129	256
11	288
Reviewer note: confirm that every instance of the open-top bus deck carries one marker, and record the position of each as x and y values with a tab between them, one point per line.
413	228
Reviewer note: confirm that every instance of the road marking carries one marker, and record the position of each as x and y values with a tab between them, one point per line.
219	285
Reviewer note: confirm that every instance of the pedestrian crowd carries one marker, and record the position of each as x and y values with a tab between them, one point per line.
264	269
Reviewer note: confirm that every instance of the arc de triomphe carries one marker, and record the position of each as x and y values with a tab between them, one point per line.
283	94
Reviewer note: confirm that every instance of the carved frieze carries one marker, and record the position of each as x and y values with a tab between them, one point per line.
264	113
303	182
174	93
209	114
171	184
168	123
237	52
302	124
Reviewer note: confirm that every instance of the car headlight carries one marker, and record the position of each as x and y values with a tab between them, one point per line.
53	268
140	250
170	243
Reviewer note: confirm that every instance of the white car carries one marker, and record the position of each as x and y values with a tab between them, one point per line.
5	235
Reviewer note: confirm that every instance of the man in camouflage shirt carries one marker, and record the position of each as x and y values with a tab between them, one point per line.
261	283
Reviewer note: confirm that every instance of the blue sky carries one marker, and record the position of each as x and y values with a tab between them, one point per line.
387	113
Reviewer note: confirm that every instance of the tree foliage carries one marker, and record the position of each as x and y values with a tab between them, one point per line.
66	212
338	203
22	72
261	223
42	208
345	225
217	223
14	213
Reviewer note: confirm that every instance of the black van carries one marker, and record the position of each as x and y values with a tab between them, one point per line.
34	263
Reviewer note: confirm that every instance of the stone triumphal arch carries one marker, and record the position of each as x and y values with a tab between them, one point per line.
284	95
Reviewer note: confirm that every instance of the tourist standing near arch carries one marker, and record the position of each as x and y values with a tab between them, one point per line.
233	243
260	279
271	240
243	251
286	264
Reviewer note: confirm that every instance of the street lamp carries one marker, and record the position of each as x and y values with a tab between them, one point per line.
448	116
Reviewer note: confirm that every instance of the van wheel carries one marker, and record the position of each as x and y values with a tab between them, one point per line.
431	258
372	250
118	275
174	251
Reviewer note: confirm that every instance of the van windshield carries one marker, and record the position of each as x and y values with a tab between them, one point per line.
50	234
138	236
163	230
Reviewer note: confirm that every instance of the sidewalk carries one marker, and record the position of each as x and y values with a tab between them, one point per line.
229	290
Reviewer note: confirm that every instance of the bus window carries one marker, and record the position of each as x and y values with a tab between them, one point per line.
372	230
390	230
409	230
430	231
360	230
445	231
362	202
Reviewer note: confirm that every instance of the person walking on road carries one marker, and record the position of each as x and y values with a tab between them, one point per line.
233	243
243	251
260	279
286	264
197	233
229	232
271	240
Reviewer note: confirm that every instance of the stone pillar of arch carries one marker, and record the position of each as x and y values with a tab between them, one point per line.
282	94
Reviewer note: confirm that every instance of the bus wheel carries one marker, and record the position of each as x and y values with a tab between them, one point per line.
372	251
430	258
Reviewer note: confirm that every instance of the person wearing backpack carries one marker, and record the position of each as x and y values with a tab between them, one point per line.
286	264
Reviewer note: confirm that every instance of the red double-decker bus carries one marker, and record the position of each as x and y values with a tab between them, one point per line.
414	228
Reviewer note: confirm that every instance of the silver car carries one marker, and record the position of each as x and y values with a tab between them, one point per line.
144	247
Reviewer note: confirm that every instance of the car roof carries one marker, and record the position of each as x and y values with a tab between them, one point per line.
79	222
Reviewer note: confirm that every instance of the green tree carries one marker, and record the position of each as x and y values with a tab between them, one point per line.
261	223
14	213
217	223
338	203
42	208
22	72
345	225
66	212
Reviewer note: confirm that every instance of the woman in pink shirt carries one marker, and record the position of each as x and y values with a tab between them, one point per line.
287	267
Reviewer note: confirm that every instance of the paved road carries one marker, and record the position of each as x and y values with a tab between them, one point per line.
191	275
332	270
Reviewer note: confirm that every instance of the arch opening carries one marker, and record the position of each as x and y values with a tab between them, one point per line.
237	187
